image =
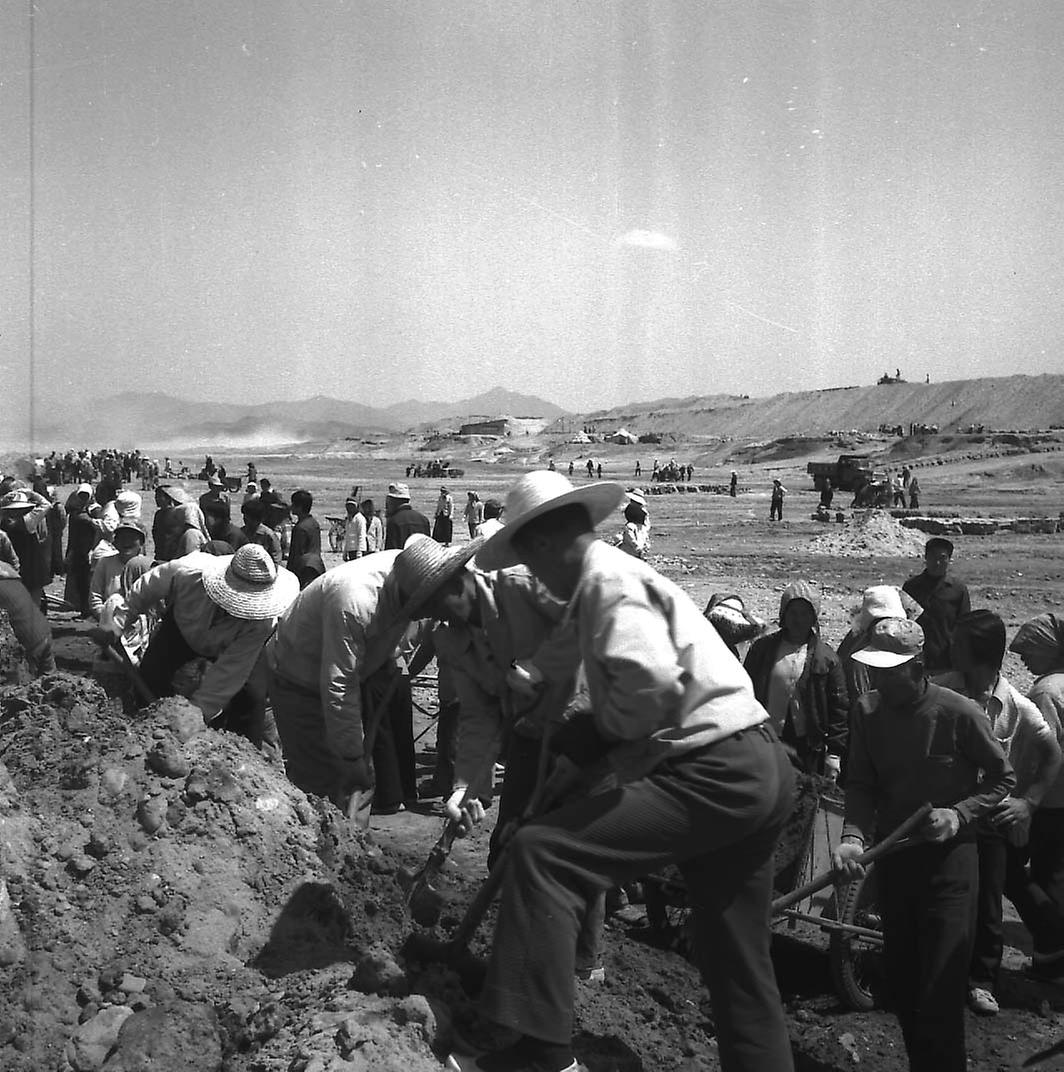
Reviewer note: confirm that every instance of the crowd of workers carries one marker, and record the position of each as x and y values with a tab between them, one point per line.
567	654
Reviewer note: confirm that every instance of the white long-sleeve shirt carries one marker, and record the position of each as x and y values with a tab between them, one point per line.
338	631
234	643
662	682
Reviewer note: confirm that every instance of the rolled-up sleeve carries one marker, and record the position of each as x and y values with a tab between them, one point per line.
229	673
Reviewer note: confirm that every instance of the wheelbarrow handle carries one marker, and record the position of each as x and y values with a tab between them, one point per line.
891	842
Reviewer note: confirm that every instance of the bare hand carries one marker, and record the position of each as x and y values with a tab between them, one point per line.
467	812
844	859
942	824
1010	811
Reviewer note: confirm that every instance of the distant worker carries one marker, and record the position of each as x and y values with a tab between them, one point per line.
599	470
914	493
827	493
775	509
638	469
590	469
944	599
401	519
443	526
304	551
733	484
571	467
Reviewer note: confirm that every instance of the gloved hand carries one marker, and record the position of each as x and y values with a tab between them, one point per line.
466	811
832	766
844	859
942	824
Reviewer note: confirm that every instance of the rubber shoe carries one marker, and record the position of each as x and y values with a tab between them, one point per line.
591	975
982	1001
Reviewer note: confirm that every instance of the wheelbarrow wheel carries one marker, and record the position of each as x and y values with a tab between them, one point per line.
853	962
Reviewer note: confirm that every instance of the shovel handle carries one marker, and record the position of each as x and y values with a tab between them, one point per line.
891	842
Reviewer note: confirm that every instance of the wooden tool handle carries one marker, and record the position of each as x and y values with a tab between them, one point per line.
888	844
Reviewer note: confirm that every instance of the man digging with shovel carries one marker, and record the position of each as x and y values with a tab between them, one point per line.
339	635
699	779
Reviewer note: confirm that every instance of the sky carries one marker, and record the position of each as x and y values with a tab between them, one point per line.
590	202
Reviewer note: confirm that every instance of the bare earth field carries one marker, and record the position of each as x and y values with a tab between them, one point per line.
176	886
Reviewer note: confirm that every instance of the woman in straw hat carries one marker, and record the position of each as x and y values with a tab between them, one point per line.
702	781
338	634
24	517
220	608
635	536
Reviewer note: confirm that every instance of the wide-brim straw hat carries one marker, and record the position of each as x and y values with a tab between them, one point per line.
636	496
424	566
16	502
538	493
249	584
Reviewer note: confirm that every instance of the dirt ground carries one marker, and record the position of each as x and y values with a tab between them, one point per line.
176	904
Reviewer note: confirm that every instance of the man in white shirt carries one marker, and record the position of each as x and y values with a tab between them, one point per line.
698	779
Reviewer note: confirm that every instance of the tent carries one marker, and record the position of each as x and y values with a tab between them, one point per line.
622	435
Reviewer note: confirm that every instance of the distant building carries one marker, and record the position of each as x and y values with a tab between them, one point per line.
496	426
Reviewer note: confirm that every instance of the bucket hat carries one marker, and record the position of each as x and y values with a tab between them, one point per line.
893	641
127	503
424	566
398	491
249	585
538	493
84	489
131	524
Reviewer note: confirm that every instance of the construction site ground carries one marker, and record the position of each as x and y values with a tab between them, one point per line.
174	903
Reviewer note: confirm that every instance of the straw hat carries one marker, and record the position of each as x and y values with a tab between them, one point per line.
538	493
178	496
249	584
398	491
636	496
17	500
424	566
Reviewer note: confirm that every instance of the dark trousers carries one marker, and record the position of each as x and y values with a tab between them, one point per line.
989	938
775	510
717	812
928	899
168	651
1038	891
394	768
522	763
312	764
446	749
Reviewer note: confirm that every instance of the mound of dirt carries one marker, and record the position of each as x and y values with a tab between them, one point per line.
868	533
163	880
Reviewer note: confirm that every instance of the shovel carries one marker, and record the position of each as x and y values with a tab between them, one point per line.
897	839
115	650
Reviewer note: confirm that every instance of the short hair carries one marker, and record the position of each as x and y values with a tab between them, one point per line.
367	504
492	508
939	543
253	510
265	482
984	633
302	500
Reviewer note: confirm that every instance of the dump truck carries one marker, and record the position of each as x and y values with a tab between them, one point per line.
850	472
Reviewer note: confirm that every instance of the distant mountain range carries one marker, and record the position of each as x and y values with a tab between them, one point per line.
158	421
147	419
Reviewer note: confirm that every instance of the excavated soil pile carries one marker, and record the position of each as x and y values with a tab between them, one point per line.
868	533
174	903
14	669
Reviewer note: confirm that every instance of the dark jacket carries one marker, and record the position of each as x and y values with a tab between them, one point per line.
402	525
304	552
822	691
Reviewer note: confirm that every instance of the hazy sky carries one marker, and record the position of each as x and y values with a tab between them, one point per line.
589	201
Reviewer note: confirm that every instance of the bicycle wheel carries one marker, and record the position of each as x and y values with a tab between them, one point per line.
854	963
